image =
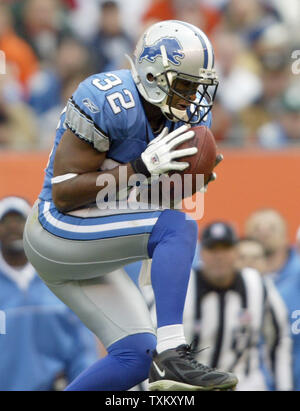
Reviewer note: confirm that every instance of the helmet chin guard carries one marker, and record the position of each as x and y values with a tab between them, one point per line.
173	69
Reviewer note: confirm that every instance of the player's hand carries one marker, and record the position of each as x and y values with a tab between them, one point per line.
159	156
213	175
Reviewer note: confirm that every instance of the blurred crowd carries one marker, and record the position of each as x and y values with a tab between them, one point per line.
52	45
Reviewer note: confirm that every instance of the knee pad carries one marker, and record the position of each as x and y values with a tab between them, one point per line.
175	226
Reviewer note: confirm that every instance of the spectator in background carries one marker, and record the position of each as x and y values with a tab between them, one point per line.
44	342
43	25
50	88
289	15
235	307
195	12
272	46
229	310
252	254
84	18
247	18
19	55
271	51
18	128
239	85
290	293
47	122
71	58
269	227
111	42
284	129
284	263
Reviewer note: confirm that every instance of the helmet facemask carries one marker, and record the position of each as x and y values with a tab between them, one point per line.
188	99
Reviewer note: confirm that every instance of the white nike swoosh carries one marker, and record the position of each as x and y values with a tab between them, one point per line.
161	373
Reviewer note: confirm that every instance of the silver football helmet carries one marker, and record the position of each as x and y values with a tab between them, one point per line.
173	69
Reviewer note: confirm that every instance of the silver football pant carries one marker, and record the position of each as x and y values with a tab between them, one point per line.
88	277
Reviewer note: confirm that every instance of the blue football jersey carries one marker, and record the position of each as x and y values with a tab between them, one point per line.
106	111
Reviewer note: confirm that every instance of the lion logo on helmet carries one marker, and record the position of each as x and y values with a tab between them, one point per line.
172	46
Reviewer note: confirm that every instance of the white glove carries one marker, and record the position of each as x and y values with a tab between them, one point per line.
160	153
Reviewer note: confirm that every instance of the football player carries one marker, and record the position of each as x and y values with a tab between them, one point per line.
135	119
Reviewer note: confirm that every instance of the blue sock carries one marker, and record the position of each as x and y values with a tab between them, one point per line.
126	365
172	247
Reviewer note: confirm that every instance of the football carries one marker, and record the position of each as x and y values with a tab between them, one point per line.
203	161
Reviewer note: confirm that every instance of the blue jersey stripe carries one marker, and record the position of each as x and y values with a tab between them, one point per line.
203	43
205	63
94	236
77	225
88	221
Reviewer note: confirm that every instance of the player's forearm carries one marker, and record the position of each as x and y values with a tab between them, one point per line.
83	189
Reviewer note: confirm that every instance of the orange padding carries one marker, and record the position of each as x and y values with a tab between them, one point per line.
247	180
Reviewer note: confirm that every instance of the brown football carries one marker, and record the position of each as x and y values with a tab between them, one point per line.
203	161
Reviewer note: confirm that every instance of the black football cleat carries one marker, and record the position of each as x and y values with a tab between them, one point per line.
177	370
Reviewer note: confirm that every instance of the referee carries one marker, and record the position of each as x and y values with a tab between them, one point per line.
236	318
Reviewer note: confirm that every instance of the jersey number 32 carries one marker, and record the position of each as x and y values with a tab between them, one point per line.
116	100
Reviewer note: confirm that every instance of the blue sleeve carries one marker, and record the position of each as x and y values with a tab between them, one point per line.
104	110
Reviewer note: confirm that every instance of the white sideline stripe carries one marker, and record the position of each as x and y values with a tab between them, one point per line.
95	228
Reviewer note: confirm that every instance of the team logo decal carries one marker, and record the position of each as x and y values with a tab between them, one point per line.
173	49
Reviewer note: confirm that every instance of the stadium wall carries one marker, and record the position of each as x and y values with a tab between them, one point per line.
247	180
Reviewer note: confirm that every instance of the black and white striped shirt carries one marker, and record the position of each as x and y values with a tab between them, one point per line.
232	322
